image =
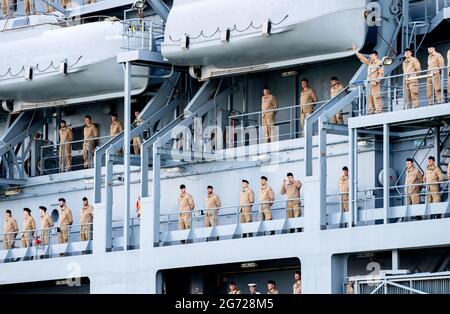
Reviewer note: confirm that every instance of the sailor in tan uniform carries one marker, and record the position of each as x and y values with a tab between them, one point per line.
28	228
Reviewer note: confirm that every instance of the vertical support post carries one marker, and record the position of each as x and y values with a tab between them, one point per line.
126	153
323	171
386	163
97	177
405	26
144	171
109	197
437	145
351	167
308	148
395	260
156	194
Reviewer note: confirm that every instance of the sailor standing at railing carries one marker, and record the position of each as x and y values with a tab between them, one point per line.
411	68
291	188
10	230
413	178
308	98
185	206
246	200
28	228
213	204
433	174
115	128
336	89
86	219
434	86
65	221
90	133
344	189
268	107
137	139
266	198
375	73
46	224
65	147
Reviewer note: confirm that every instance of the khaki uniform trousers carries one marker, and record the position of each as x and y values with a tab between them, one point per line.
137	145
268	123
434	89
434	195
64	234
184	221
9	241
375	105
412	93
85	232
65	157
265	213
344	202
246	214
88	152
211	219
293	209
27	239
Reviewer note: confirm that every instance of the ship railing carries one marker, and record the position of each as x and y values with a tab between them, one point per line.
117	234
406	203
56	237
68	156
394	91
141	34
419	283
279	218
287	125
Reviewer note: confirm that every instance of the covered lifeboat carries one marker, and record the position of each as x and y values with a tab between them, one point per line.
234	34
43	61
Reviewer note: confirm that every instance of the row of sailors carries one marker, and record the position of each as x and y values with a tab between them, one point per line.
289	187
90	136
11	229
7	6
271	286
411	69
413	183
375	73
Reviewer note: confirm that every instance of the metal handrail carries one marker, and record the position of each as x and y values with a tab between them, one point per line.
239	206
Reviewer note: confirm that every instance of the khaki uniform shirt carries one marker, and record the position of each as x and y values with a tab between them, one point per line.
307	100
65	135
213	201
247	197
269	103
413	176
29	224
90	131
10	225
267	196
435	60
46	221
65	215
292	191
273	291
86	214
237	291
335	90
185	203
375	67
343	184
116	128
433	174
297	287
411	67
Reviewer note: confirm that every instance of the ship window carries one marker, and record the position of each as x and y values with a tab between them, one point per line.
55	215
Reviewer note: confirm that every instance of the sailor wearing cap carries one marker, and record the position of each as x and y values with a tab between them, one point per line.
253	288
